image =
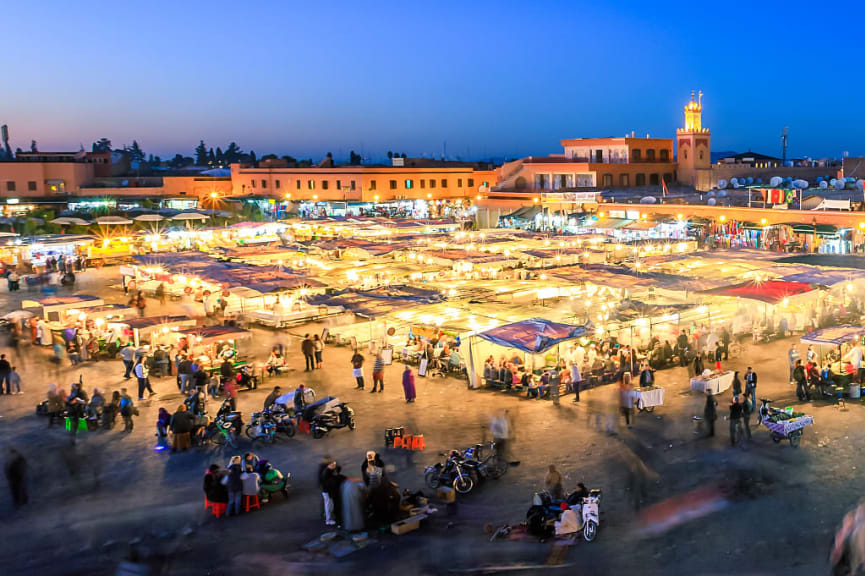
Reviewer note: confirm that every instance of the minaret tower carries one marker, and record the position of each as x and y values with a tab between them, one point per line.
693	149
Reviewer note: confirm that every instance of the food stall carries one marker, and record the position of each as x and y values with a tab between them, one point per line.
713	381
51	308
840	340
649	397
210	344
154	328
278	310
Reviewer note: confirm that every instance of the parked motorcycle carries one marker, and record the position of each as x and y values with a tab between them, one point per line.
225	427
546	510
339	416
246	379
453	472
266	425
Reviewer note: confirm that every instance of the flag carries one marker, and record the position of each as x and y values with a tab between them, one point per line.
775	196
664	190
791	196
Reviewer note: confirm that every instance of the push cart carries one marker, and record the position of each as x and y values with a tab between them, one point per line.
782	424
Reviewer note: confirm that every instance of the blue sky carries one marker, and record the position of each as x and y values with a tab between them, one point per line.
489	78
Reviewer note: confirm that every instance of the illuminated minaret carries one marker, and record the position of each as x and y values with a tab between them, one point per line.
693	147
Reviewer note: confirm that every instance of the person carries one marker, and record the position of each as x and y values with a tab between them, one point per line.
142	374
626	398
234	483
271	398
127	354
331	484
231	392
501	430
76	406
181	425
735	419
110	411
372	470
163	421
553	483
308	349
140	304
160	293
184	373
357	368
127	410
327	501
751	387
811	354
378	373
14	381
275	362
318	343
647	377
5	371
72	350
698	363
802	391
681	347
792	358
299	399
568	523
251	481
746	416
16	476
214	489
737	384
710	413
576	380
408	386
160	361
96	406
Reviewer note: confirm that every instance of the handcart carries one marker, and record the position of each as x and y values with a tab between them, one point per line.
783	424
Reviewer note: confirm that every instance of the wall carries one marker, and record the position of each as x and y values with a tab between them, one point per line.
200	186
73	175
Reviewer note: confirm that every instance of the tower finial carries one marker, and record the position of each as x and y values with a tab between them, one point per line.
700	98
692	95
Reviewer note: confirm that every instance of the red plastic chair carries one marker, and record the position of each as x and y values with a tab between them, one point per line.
251	502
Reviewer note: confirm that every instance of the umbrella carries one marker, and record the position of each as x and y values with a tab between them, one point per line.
149	218
67	220
19	315
189	216
112	220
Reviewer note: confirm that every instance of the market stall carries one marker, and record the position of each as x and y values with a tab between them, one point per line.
153	329
713	382
51	308
209	345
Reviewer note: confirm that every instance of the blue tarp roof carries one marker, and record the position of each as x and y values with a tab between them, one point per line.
824	277
834	335
533	335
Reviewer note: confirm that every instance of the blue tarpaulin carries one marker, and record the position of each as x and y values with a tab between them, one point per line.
834	335
533	335
824	277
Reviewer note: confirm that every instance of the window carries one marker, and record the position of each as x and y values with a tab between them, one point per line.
372	184
432	182
701	154
393	184
324	184
636	155
599	156
459	182
422	183
665	155
444	183
310	184
278	184
352	185
339	184
654	179
252	183
563	180
471	182
408	184
641	179
263	183
650	155
607	180
685	154
31	186
624	180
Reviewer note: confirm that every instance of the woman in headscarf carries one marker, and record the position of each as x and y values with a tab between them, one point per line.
408	384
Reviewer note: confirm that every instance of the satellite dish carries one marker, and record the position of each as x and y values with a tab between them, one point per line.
840	184
710	193
775	181
860	184
648	200
800	183
711	202
735	183
832	182
824	184
749	180
759	180
722	193
722	183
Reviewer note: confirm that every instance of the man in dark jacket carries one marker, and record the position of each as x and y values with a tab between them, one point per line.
331	482
213	487
681	347
710	413
308	349
372	470
5	370
16	476
751	388
801	382
736	415
271	398
181	425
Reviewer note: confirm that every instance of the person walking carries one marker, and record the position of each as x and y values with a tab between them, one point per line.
318	343
160	293
737	384
799	377
751	388
5	371
163	423
501	430
16	476
746	417
735	420
184	373
792	358
626	398
710	413
299	399
181	425
127	410
576	380
142	374
234	483
357	368
326	464
76	407
553	483
308	349
378	373
127	354
408	387
14	381
231	393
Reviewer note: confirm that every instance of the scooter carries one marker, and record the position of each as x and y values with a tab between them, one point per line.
340	416
546	510
266	425
246	379
453	472
226	426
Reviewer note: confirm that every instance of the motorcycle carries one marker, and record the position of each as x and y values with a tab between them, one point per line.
546	510
246	379
266	425
225	427
453	472
339	416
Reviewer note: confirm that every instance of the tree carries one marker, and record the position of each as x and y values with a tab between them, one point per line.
220	157
201	154
150	159
102	145
233	153
330	155
211	157
403	154
252	159
33	147
354	159
136	154
389	155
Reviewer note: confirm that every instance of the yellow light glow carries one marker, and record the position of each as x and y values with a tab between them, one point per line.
288	195
763	221
722	218
214	195
862	225
429	195
679	216
536	200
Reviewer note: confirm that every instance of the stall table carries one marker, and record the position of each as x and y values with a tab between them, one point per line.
715	383
648	398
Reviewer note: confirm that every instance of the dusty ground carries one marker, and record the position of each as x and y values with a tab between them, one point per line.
91	500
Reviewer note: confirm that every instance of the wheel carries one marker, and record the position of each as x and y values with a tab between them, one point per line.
317	433
649	409
590	530
463	484
218	437
250	432
432	479
351	423
497	469
795	438
776	437
289	429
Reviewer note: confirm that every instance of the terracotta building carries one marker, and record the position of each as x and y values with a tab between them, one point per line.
693	146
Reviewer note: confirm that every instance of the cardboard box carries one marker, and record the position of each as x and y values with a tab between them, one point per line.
407	525
446	494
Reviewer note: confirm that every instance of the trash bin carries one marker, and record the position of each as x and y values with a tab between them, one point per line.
855	391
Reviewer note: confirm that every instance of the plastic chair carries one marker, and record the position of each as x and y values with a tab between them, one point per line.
417	442
218	508
397	442
250	502
207	503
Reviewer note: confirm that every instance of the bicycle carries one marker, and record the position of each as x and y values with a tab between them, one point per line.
488	456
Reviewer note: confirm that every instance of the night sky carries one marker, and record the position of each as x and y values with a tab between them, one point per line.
489	78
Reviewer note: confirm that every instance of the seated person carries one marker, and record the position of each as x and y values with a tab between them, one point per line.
515	381
489	370
275	363
526	379
544	386
454	359
516	359
569	523
532	390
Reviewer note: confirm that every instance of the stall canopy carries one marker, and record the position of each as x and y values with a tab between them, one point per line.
524	213
534	335
834	335
379	301
824	277
771	291
206	333
151	321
